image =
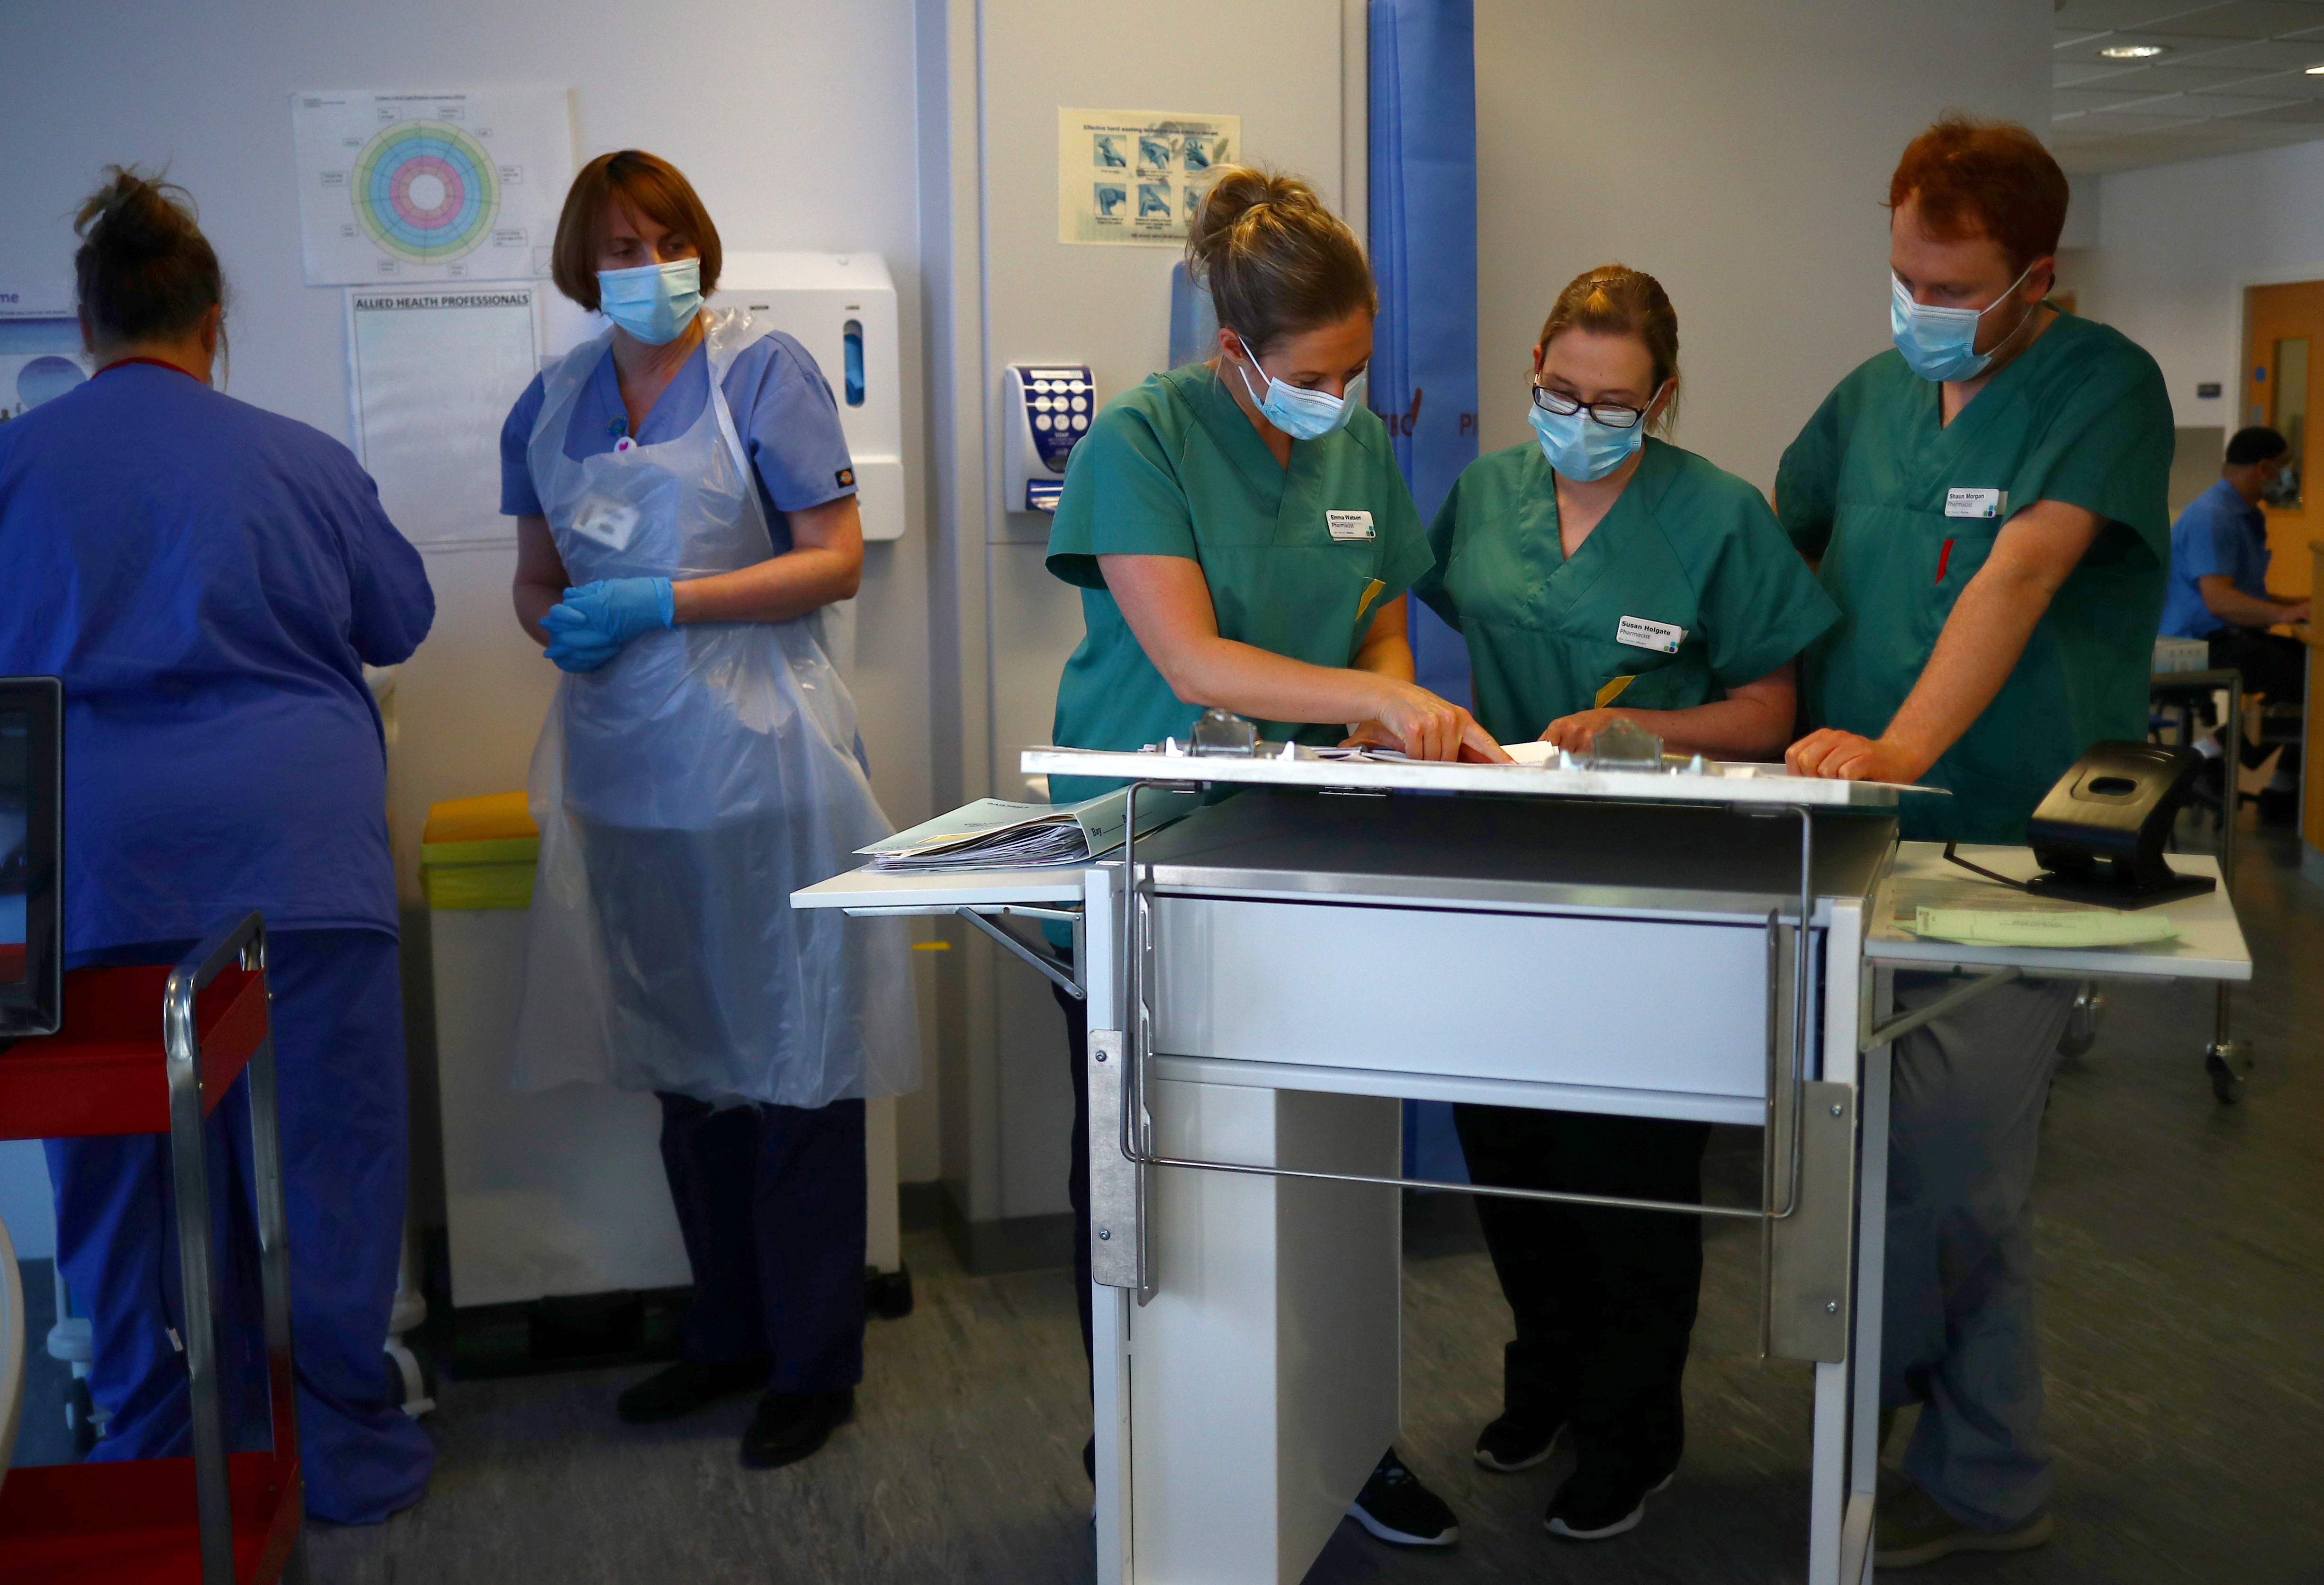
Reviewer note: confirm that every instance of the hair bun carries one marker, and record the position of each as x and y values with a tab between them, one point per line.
143	270
1240	192
134	216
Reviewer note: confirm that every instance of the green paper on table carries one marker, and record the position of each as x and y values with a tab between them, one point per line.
2056	929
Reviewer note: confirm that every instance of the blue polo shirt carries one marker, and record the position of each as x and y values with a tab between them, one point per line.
2216	535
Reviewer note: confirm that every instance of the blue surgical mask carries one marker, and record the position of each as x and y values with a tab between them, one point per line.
653	302
1303	415
1940	344
1580	448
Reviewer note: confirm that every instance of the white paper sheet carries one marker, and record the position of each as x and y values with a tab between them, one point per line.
432	376
461	185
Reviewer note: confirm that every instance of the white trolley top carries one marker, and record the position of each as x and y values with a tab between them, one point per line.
1720	783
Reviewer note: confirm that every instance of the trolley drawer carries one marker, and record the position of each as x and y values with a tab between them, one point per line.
1536	998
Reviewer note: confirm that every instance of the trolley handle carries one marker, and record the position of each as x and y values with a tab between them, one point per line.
242	943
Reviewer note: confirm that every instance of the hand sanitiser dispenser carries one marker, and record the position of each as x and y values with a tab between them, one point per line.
1047	408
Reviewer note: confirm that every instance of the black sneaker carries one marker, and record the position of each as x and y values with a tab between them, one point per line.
1397	1508
1517	1442
680	1389
1599	1502
791	1425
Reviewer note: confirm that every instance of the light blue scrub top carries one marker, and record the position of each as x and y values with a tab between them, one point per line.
207	578
784	414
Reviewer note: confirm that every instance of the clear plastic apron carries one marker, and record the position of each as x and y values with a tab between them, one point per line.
684	790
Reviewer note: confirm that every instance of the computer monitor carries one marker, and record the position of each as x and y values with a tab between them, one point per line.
32	832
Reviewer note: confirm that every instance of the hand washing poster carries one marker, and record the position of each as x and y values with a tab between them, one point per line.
1137	176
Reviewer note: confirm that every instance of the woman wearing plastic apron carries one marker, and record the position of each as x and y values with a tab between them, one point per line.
700	764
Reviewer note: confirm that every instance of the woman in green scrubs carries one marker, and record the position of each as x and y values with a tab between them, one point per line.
1598	573
1242	540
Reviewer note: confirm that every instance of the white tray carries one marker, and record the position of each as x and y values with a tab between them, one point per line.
1732	784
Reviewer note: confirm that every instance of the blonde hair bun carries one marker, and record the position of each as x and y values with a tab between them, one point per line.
1275	261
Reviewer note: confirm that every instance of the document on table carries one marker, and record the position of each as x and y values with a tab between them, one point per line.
997	834
1944	908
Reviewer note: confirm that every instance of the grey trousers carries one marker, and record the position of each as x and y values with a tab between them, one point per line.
1958	1328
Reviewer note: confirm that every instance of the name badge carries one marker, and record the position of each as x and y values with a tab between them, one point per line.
1976	503
1349	525
1641	634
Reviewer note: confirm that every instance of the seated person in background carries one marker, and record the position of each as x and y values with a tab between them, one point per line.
2219	584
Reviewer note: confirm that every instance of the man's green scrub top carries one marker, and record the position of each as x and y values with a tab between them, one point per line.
1903	512
1299	559
1684	589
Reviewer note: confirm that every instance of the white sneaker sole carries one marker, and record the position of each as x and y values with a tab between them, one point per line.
1629	1521
1395	1537
1549	1449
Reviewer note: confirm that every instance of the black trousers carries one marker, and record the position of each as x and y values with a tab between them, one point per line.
771	1202
2270	663
1077	1175
1604	1300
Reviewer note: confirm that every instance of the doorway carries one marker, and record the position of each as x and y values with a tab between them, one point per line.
2283	342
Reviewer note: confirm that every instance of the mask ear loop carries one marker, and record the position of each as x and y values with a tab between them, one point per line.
1257	398
2023	320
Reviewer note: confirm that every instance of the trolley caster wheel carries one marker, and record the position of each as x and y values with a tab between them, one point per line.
2227	1083
2082	1022
889	1294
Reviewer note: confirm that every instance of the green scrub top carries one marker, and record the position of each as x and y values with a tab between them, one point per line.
2081	416
1299	559
1686	546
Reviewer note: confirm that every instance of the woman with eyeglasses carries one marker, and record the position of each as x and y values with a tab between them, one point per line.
1603	574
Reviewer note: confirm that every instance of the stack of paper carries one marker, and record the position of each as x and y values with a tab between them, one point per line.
995	833
2064	928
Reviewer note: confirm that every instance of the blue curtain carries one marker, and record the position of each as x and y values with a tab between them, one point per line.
1424	370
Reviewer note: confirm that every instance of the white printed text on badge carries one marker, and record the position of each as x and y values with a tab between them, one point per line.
1641	634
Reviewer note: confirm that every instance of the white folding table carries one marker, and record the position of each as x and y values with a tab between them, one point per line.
1297	959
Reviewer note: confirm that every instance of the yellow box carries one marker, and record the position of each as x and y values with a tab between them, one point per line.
479	854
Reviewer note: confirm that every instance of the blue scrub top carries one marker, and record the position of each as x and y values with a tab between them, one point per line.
2218	535
783	411
207	578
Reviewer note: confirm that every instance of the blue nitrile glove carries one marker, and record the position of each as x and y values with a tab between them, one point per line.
592	623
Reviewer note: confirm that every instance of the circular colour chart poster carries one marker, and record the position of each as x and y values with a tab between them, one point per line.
426	191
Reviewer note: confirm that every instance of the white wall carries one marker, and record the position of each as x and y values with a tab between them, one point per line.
1003	290
795	120
2177	243
1741	154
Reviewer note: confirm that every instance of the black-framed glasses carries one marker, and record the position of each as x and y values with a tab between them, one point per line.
1612	416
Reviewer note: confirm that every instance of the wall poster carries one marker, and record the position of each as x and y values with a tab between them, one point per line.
1137	176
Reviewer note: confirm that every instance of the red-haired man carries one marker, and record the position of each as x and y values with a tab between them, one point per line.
1985	502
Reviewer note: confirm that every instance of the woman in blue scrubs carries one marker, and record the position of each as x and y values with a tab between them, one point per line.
208	580
686	512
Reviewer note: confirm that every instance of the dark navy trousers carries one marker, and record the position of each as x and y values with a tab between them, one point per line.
771	1202
338	1059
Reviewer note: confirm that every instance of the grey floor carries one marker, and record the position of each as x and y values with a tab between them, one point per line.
2183	1249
